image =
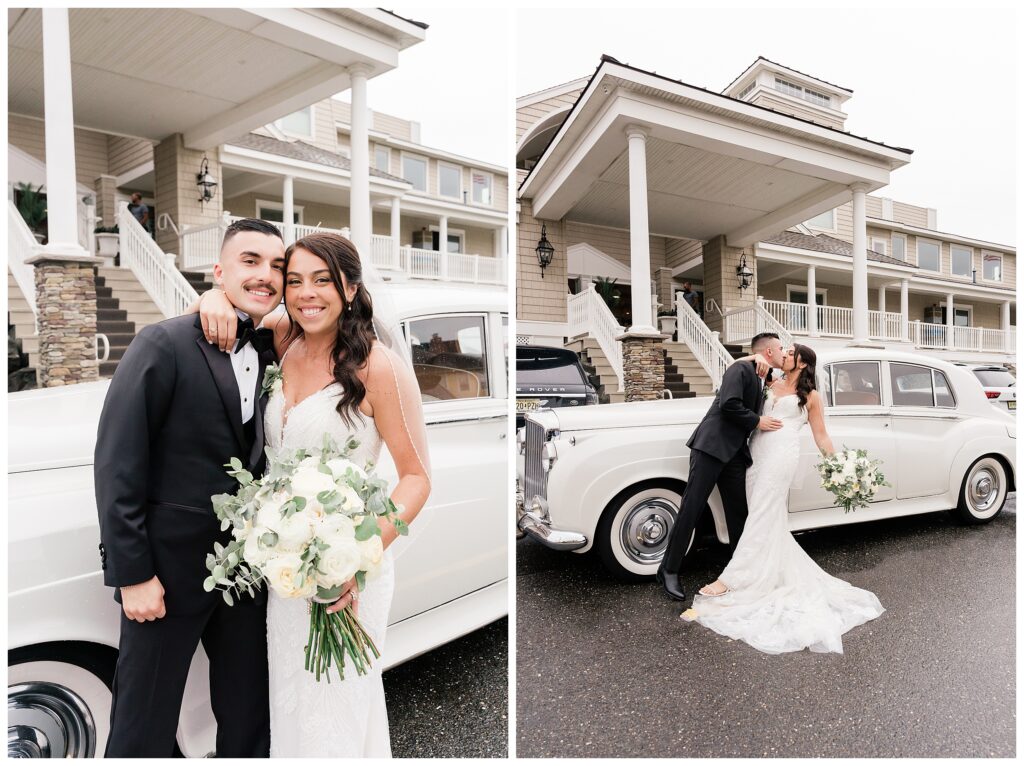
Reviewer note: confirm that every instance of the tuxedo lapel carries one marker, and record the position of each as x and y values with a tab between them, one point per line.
261	398
227	386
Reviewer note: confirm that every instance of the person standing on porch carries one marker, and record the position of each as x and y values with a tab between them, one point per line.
140	210
691	297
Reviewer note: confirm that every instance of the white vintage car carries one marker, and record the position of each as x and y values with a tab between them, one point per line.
451	572
612	477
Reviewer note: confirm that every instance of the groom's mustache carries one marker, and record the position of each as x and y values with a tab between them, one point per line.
260	286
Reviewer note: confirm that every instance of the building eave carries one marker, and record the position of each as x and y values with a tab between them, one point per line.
945	236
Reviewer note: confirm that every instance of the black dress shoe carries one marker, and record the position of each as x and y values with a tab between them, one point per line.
670	582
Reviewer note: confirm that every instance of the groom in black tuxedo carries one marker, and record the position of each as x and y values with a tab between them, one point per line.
177	410
719	456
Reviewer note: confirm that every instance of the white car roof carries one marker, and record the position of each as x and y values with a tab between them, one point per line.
417	299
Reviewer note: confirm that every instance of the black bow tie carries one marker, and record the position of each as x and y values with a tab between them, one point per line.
262	339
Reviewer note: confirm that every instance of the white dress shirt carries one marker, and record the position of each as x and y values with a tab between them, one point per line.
246	364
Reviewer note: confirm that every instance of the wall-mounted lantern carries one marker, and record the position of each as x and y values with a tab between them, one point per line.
744	273
545	250
207	183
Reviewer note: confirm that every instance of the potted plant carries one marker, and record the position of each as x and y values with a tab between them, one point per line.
667	322
107	242
606	289
32	206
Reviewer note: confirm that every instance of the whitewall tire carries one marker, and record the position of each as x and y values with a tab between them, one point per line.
634	529
983	491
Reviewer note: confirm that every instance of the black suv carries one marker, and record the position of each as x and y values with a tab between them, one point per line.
549	377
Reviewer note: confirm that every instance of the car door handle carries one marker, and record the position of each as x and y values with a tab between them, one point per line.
502	435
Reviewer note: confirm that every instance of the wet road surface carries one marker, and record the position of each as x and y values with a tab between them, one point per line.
608	670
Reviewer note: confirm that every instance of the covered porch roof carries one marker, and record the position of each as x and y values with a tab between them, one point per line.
209	74
715	165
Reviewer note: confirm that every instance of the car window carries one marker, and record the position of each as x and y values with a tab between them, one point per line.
856	383
825	385
911	385
943	393
548	369
995	378
449	355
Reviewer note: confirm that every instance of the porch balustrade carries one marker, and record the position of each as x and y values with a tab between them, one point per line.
703	343
588	314
154	269
21	245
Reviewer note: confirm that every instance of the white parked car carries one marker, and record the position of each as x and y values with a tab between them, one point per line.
612	477
451	572
998	382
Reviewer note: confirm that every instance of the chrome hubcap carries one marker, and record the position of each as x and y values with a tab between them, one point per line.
983	489
646	527
46	720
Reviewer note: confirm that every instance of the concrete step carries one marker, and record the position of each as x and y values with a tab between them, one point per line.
616	398
145	319
111	315
21	317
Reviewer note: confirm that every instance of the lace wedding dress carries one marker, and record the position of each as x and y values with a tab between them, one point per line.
319	719
779	599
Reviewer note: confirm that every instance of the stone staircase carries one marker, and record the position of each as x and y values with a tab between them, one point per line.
682	368
200	282
598	369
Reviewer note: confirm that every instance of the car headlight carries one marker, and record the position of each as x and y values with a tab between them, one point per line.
549	456
592	399
521	440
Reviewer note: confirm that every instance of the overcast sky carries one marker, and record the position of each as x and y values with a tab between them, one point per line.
940	82
455	83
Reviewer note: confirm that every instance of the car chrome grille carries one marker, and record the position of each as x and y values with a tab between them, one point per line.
534	473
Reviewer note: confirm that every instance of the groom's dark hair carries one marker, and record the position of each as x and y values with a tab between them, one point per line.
251	224
760	341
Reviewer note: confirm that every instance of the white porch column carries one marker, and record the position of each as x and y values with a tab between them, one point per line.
288	209
396	231
360	219
860	264
905	309
61	188
503	251
1004	325
442	245
639	238
950	314
812	302
881	299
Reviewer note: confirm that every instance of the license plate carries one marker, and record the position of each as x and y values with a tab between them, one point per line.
1011	404
527	405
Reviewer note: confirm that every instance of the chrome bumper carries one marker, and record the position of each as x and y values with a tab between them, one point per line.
534	522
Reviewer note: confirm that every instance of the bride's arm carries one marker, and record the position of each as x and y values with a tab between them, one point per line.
816	419
762	363
394	397
220	322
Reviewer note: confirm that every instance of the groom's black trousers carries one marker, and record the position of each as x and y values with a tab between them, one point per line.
706	472
152	668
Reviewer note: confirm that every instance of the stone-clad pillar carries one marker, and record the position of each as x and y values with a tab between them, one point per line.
643	367
66	297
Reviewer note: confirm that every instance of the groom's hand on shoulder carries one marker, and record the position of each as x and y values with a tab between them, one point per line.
144	602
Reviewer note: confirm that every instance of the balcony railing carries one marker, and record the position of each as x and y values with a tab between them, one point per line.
200	247
837	321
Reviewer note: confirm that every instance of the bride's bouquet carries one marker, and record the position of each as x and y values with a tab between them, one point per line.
306	528
851	477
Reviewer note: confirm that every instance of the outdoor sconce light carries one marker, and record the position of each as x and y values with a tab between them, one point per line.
744	273
207	184
545	250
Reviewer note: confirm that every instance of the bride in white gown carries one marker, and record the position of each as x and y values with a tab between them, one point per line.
327	346
772	595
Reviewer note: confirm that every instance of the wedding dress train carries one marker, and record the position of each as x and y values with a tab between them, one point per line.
779	600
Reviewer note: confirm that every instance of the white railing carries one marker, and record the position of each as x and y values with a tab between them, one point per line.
742	324
835	320
792	316
884	325
383	253
703	343
154	269
589	315
87	221
926	335
22	245
200	245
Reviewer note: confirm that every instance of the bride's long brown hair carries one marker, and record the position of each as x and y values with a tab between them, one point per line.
355	334
805	382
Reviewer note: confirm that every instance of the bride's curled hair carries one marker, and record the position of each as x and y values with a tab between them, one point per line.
805	380
355	334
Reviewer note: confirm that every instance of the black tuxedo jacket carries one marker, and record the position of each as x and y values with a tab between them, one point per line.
171	419
734	414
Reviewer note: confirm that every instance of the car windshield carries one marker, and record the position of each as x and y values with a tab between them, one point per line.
547	369
995	378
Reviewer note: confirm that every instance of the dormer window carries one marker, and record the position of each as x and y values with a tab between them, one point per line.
743	93
792	89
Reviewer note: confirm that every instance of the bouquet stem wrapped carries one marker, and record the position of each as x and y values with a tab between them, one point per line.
307	528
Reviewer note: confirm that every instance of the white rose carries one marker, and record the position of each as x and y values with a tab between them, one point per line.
339	563
282	572
269	512
295	532
350	500
339	466
253	552
308	480
333	527
372	551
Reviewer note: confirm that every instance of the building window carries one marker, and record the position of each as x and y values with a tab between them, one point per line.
482	184
414	170
826	221
899	247
382	159
962	258
431	240
792	89
928	255
789	88
449	180
274	211
298	123
747	90
880	246
814	97
992	267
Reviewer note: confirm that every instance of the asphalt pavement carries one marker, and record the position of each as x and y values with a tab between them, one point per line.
453	701
609	670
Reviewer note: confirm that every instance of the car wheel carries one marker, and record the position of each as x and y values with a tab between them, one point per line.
983	492
634	530
56	708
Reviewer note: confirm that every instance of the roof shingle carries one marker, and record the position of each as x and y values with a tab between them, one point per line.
300	150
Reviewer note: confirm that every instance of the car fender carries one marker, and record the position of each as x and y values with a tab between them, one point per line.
588	474
971	450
